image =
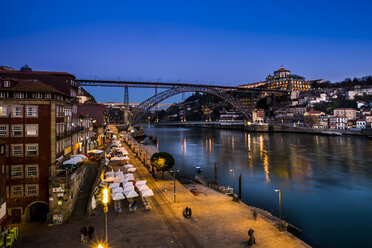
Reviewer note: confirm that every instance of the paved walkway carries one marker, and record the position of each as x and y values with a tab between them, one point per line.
216	222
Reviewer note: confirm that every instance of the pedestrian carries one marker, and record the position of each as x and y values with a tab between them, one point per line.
91	232
82	233
255	214
251	240
189	213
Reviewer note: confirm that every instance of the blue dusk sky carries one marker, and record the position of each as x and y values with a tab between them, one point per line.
225	42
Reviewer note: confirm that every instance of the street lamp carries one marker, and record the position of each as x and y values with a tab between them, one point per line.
100	246
105	201
174	178
280	203
233	171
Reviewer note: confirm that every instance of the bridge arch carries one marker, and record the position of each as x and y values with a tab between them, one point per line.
146	105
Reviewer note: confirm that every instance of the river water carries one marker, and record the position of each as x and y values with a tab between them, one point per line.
326	182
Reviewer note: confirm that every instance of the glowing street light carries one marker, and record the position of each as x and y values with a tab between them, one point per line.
100	246
105	201
233	171
280	203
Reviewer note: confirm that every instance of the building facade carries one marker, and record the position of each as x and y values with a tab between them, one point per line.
284	80
40	126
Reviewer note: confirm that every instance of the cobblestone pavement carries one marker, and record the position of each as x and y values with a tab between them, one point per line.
217	221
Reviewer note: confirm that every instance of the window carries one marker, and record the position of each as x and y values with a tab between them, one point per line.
16	190
18	111
31	129
38	95
3	110
31	149
32	189
48	95
6	83
17	150
17	130
32	111
19	95
16	171
31	170
3	130
2	94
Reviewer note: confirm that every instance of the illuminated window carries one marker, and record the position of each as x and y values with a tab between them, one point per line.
31	129
3	110
19	95
6	83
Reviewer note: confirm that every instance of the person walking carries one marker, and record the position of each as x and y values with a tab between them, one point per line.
91	232
189	213
252	239
83	233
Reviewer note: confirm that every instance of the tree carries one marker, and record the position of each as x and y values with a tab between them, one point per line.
162	161
311	120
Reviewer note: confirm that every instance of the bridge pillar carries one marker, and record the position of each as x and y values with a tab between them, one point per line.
126	106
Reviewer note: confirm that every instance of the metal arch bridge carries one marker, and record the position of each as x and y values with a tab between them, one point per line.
174	89
146	105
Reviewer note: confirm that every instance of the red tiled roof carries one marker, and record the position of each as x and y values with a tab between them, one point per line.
31	85
36	72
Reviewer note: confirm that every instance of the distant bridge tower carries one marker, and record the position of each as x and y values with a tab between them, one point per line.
126	105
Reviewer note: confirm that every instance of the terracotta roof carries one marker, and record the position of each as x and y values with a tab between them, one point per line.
36	72
31	85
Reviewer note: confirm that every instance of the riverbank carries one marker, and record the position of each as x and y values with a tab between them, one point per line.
270	128
217	221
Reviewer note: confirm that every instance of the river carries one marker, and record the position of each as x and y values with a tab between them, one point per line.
326	182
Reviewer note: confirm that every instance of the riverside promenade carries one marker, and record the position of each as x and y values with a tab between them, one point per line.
216	221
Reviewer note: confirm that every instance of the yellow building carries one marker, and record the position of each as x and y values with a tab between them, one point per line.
284	80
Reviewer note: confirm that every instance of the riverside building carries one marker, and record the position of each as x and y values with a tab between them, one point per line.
39	126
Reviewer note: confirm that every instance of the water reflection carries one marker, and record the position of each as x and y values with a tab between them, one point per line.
316	174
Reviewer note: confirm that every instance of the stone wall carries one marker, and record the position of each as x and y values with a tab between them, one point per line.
63	192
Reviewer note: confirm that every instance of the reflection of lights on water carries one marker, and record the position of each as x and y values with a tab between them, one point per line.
184	146
260	140
266	167
232	143
210	145
249	142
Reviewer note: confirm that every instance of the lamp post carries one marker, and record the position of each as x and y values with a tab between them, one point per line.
233	171
174	178
280	203
105	200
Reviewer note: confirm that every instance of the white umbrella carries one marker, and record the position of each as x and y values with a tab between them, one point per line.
128	184
95	151
147	193
110	174
129	188
110	179
138	183
129	178
114	185
128	166
142	187
118	190
120	176
118	196
79	156
132	169
121	180
131	194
